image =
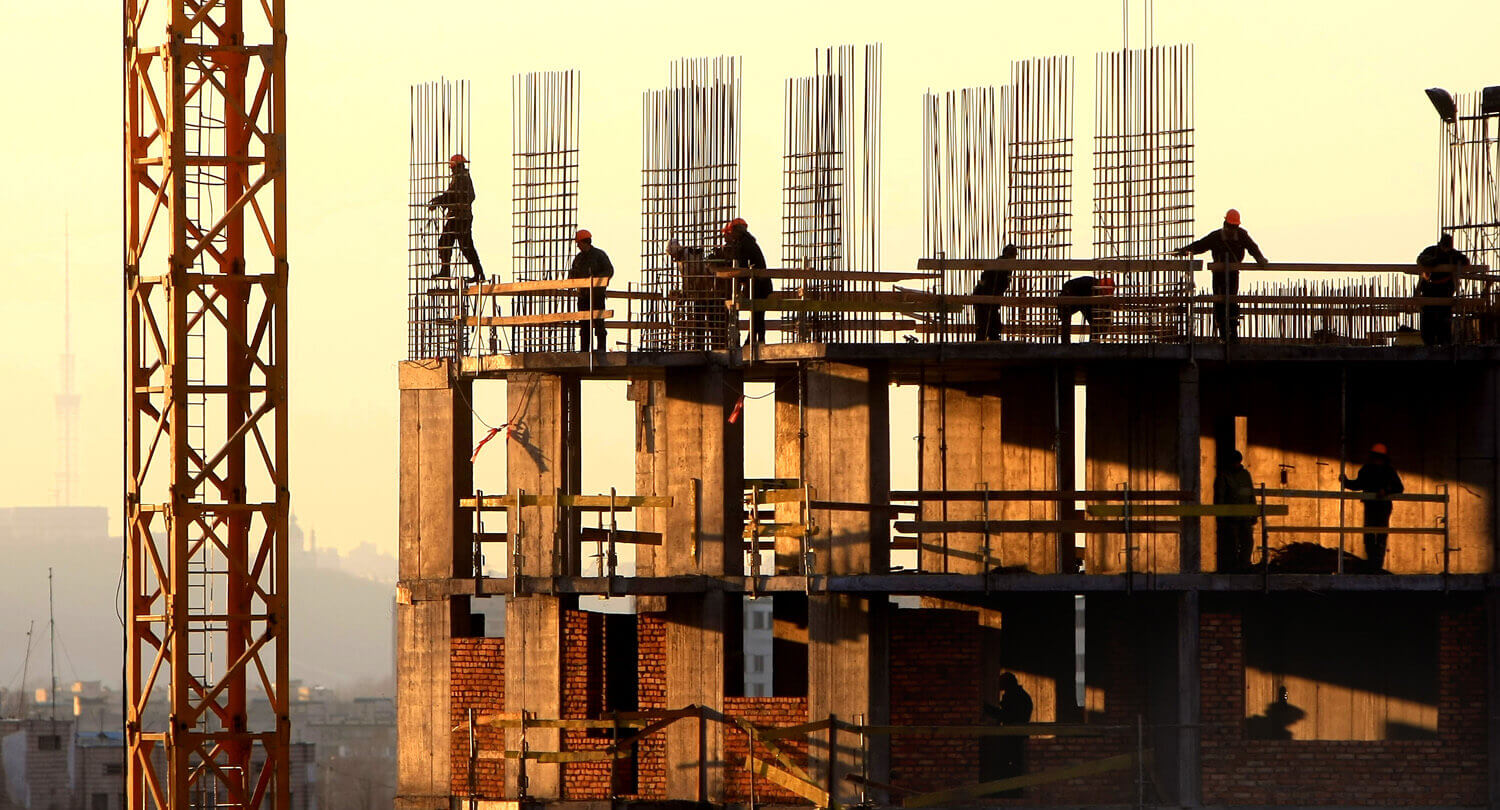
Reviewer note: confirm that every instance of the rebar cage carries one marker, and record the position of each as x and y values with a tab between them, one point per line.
545	139
436	265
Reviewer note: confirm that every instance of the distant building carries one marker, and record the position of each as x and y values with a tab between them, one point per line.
757	647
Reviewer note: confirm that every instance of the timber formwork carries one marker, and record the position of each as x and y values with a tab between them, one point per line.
996	527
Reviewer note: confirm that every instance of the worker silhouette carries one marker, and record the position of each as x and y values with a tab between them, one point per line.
1228	244
703	296
991	282
457	202
1377	476
1002	757
590	262
1235	536
1437	321
1099	318
741	250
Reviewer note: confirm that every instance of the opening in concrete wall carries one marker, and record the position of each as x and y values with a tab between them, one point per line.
1341	668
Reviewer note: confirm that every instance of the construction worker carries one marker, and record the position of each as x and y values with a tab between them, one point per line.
1003	757
1377	476
741	250
991	282
1227	244
1235	536
1438	281
1098	318
591	262
703	295
457	202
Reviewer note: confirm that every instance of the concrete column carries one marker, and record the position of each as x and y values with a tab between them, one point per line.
650	477
1189	705
435	543
1189	464
703	455
847	419
541	459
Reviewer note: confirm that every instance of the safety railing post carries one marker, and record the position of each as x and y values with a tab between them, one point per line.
473	755
515	527
478	533
522	785
609	560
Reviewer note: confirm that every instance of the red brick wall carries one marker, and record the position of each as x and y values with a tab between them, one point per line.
477	667
763	712
583	654
1451	770
936	667
651	689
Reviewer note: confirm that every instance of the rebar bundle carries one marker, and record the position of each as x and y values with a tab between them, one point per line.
1143	179
439	130
830	201
690	185
1469	193
544	188
1039	189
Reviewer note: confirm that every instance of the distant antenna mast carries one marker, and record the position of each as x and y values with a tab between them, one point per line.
67	401
25	670
52	634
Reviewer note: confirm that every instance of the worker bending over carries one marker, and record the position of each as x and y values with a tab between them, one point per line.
457	202
742	251
1228	245
591	262
1380	478
1098	317
1437	321
991	282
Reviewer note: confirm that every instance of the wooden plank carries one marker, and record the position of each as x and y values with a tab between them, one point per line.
804	305
776	751
634	538
1352	530
772	496
1018	730
1477	271
1038	495
826	275
542	285
620	502
1350	495
799	730
538	320
1081	266
1188	510
782	530
966	793
801	787
998	526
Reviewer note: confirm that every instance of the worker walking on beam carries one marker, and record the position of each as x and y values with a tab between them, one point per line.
1438	263
742	251
457	202
1228	245
991	282
591	262
1379	478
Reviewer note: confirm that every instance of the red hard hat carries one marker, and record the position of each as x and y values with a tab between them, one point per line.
737	222
457	159
1232	217
1105	286
583	235
727	229
1379	447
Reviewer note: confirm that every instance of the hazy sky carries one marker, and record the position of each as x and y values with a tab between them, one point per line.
1310	120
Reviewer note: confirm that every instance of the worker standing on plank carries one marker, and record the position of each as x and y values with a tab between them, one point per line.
1437	321
457	202
1380	478
1004	757
742	251
1228	245
991	282
1098	318
591	262
1235	536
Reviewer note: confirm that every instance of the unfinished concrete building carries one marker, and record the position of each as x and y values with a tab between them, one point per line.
1062	527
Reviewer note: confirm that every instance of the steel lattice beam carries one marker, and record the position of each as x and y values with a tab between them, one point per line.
206	496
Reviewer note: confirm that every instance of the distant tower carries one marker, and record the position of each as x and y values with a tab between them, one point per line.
67	401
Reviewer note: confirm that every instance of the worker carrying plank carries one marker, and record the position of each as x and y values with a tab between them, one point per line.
457	202
1437	321
1377	476
741	250
1235	536
1098	318
591	262
1228	244
991	282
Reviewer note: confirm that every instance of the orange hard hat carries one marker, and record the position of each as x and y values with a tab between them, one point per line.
1232	216
727	229
737	222
457	159
1379	447
582	235
1105	286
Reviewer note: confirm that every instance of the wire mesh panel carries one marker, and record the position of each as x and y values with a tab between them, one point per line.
831	187
690	185
1039	191
436	264
1143	181
545	139
963	185
1469	203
